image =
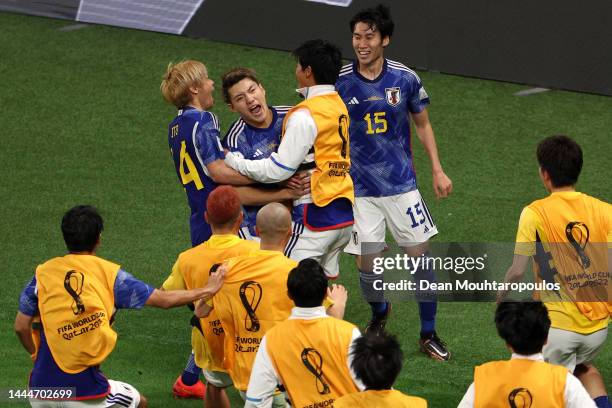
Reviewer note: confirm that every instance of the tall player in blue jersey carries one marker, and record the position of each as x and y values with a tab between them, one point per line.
193	137
255	136
382	96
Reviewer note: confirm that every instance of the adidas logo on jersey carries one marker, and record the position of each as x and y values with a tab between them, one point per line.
258	153
353	101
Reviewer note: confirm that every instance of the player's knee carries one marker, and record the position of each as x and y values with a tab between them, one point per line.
143	402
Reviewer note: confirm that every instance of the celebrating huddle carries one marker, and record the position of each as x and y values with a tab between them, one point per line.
273	204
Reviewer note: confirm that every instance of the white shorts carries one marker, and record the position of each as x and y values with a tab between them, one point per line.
218	378
323	246
121	395
406	215
568	349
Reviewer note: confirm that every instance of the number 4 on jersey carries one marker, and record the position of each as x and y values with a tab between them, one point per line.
192	173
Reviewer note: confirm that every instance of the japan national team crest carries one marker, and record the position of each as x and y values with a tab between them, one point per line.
393	96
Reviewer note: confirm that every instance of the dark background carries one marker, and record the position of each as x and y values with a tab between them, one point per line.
556	44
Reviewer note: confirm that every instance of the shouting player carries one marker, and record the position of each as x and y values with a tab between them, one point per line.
255	136
315	137
194	142
382	96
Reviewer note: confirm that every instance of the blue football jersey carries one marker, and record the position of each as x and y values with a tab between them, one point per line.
194	142
256	144
381	153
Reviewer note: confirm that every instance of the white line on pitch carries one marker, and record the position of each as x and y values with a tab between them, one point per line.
531	91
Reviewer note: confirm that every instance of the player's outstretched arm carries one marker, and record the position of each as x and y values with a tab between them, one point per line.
222	174
172	298
23	329
442	185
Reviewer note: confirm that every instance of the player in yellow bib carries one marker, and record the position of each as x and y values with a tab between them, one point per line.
377	361
568	235
191	270
254	296
308	353
315	138
76	296
526	379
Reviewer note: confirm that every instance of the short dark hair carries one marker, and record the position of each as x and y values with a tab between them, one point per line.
523	325
233	76
561	157
378	18
81	228
323	57
377	360
307	284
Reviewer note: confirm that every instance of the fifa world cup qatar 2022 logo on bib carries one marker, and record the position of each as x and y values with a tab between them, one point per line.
250	296
313	361
73	283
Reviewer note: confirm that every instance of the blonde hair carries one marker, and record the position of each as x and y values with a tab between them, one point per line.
179	78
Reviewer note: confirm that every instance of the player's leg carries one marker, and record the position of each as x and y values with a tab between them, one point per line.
120	395
216	383
336	241
586	372
412	227
188	384
561	348
366	243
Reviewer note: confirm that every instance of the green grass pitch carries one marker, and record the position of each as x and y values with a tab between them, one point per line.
83	121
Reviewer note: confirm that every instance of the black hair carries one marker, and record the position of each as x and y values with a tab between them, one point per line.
234	76
561	157
307	284
378	18
523	325
81	228
377	360
323	57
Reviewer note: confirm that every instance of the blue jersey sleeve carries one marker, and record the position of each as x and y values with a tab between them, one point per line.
207	142
417	96
130	293
28	300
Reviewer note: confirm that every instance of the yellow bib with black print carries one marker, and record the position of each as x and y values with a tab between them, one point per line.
194	266
519	383
572	248
379	399
310	357
253	299
76	302
330	179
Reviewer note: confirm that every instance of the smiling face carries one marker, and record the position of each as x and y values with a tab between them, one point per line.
248	98
368	44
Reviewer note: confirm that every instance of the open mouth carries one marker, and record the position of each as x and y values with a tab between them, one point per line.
256	110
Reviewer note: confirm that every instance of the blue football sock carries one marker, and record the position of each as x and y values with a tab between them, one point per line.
375	298
428	302
427	314
191	374
602	402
